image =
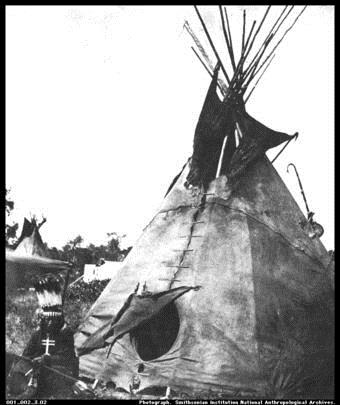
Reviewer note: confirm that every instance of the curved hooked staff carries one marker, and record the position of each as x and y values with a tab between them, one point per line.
315	229
301	188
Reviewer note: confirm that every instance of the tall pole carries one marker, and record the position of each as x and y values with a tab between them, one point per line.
219	166
212	44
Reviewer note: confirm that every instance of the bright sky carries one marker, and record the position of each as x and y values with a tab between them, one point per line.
102	104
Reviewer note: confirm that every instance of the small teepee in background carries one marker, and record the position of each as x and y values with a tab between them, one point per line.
29	258
224	294
30	242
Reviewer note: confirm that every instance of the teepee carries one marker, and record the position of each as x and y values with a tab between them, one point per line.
30	241
224	294
29	257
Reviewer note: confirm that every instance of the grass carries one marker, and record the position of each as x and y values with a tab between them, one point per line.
21	319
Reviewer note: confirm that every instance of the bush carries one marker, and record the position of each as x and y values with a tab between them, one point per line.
86	292
79	299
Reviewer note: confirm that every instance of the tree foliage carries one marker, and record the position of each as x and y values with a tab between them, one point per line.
11	227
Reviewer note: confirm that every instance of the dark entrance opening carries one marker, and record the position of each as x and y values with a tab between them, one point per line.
155	337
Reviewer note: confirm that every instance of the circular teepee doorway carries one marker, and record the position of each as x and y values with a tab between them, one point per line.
154	337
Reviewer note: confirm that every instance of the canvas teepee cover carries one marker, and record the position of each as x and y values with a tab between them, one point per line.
265	302
255	317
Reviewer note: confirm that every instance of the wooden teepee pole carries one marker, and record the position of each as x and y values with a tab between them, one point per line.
257	31
199	45
212	44
284	147
243	30
269	37
247	98
252	68
199	58
219	166
285	33
227	40
232	57
243	57
222	86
